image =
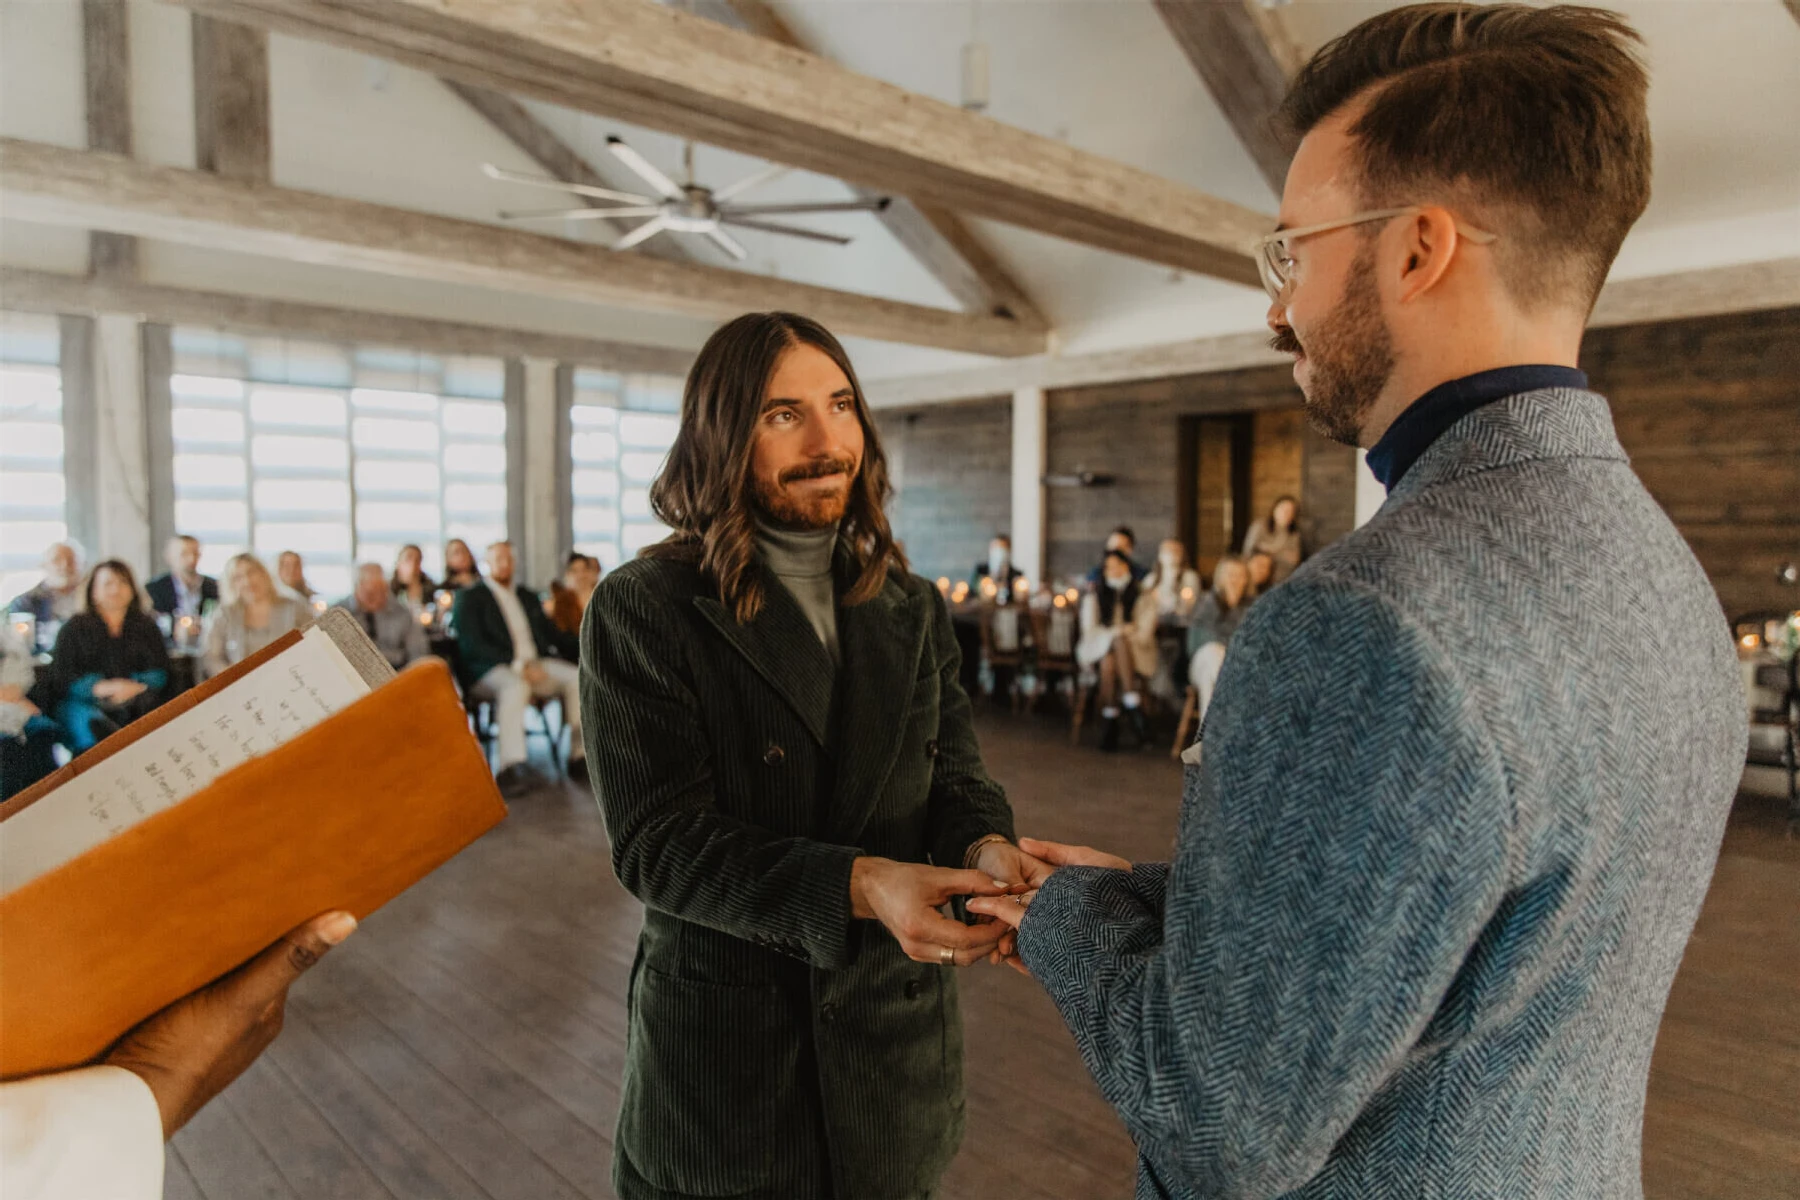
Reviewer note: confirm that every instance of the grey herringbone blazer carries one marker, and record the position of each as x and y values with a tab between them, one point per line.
1464	781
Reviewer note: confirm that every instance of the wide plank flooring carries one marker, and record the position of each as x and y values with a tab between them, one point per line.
467	1042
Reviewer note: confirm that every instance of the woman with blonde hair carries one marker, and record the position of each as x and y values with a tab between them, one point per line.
254	614
1172	581
1215	620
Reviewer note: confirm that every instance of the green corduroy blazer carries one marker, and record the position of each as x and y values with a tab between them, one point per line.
777	1047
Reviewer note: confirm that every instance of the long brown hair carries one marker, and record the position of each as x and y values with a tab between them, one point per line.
706	492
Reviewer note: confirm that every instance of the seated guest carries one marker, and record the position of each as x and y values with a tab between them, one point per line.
183	591
568	600
290	570
254	614
1215	620
390	624
460	570
998	567
504	645
27	736
1278	536
1124	542
1261	567
1118	638
1174	584
410	582
57	597
110	666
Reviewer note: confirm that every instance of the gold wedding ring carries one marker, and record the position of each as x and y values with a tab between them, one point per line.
947	956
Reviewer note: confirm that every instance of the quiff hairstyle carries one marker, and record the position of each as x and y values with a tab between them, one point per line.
1531	122
706	493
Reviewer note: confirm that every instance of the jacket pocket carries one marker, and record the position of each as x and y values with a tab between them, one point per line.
705	1074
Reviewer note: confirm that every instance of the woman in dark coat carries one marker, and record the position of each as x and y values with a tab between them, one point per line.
110	666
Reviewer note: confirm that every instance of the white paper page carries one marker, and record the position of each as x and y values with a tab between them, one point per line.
281	699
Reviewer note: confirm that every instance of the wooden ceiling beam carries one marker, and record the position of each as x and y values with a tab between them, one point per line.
44	292
58	186
935	237
1246	60
514	122
1711	291
106	63
695	78
231	98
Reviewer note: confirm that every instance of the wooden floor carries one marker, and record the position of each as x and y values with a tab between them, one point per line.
467	1041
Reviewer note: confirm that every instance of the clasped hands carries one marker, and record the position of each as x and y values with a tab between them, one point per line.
907	897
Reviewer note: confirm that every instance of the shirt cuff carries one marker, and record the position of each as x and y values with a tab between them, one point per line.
94	1133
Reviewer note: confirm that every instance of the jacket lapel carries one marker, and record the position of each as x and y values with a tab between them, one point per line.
880	640
783	648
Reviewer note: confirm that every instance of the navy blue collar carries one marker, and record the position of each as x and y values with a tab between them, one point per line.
1425	420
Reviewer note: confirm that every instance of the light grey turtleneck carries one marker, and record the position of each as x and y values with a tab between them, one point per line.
801	559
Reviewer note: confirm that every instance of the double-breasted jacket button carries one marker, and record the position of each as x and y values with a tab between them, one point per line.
774	756
931	748
827	1013
912	989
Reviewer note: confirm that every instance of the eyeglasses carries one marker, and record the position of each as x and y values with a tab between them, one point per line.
1277	266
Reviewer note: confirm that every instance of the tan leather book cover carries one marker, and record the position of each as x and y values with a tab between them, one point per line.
347	815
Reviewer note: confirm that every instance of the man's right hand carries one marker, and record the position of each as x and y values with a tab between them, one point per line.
905	898
192	1049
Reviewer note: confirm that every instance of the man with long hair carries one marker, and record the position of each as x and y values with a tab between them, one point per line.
789	777
1440	859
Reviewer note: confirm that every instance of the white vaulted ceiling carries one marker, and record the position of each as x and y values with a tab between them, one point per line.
1103	74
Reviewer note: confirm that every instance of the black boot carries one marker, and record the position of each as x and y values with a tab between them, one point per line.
1140	728
1109	734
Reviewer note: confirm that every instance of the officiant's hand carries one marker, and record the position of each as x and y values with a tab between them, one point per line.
905	898
1010	864
192	1049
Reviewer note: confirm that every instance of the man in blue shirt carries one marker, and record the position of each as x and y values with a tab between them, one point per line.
1441	855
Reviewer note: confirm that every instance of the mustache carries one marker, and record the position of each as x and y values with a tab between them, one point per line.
1284	342
818	468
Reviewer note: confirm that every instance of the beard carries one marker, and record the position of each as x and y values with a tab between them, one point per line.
812	509
1352	356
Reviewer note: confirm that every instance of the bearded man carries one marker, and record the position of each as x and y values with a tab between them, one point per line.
786	766
1449	832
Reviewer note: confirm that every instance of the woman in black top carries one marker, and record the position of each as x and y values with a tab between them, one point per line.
410	582
110	666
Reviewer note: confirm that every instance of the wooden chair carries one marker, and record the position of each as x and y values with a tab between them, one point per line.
479	703
1056	631
1003	647
1190	717
1775	725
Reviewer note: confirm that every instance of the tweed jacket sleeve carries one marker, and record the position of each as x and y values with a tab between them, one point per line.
1342	844
650	760
965	804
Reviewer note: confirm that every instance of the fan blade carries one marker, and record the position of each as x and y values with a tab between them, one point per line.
557	185
581	214
727	243
787	230
641	234
750	183
641	165
872	204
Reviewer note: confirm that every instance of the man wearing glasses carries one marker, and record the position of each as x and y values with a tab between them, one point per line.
1449	833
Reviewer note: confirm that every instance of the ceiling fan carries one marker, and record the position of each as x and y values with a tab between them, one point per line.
685	207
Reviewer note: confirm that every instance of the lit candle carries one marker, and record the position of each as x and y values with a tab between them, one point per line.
1021	585
944	584
1060	602
319	607
1187	594
989	588
444	599
425	617
1073	595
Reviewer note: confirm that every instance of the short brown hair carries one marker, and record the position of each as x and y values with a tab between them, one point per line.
706	492
1532	119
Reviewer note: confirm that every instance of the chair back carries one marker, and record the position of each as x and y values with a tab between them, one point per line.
1003	630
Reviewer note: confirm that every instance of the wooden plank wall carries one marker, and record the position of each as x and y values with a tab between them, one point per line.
1130	431
952	471
1709	410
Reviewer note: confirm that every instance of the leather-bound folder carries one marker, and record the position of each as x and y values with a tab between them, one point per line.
346	814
